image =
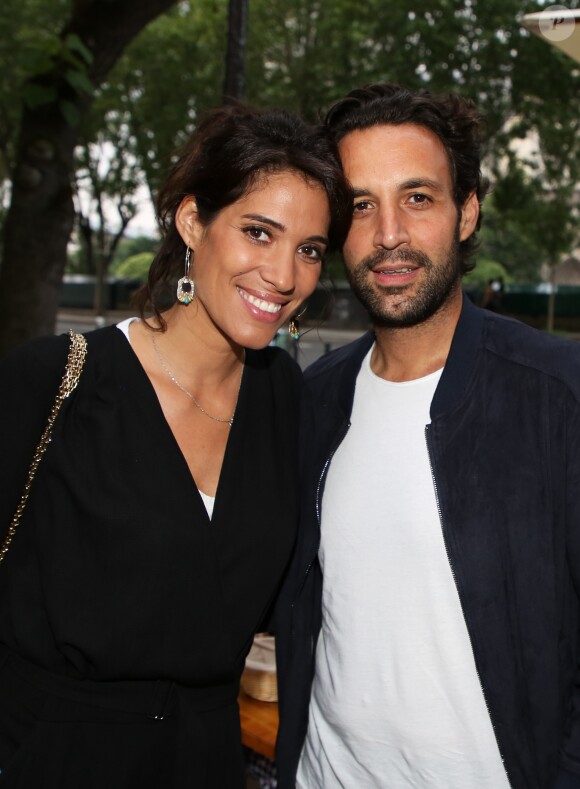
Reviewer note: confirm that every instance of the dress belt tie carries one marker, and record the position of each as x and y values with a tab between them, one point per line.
150	698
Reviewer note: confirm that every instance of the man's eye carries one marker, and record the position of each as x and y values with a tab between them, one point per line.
362	205
419	199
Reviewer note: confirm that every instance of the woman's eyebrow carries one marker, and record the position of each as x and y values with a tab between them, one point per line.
272	222
266	220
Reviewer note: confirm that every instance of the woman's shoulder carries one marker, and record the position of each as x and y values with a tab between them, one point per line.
39	362
31	375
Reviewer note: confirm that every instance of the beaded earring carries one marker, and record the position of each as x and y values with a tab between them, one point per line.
186	286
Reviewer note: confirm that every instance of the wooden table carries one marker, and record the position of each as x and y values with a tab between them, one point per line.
259	721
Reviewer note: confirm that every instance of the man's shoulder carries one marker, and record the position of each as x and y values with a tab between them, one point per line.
331	365
524	345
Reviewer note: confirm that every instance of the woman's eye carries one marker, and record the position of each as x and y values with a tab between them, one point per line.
314	253
257	234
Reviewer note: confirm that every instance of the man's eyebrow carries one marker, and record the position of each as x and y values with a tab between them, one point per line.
412	183
266	220
418	183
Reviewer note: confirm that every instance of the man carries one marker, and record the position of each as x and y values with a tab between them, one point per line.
428	634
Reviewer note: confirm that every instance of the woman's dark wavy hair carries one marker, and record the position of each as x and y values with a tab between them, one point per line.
454	119
232	147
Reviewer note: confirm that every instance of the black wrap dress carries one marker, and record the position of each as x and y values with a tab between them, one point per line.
125	613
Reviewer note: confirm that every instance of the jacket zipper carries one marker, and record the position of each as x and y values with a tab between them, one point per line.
327	463
432	469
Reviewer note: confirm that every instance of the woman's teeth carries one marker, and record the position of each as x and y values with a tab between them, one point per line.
265	306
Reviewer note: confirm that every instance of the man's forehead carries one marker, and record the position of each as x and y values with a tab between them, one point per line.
408	153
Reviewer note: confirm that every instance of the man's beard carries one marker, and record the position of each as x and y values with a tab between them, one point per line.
440	279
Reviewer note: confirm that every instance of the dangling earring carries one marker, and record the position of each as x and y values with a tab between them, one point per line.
294	325
186	286
294	329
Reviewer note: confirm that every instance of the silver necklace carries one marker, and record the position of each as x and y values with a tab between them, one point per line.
172	377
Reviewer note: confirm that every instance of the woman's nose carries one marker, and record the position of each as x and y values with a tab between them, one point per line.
280	272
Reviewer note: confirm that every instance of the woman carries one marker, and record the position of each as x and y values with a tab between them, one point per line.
162	514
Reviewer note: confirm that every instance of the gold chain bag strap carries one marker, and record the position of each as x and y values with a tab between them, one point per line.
72	373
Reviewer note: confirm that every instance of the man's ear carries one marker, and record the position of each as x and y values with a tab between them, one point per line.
187	222
469	216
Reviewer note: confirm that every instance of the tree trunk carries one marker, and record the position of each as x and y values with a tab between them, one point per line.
37	228
40	218
235	78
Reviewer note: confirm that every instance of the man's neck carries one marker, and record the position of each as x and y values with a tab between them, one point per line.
409	353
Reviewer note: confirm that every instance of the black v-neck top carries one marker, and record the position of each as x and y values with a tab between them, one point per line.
116	571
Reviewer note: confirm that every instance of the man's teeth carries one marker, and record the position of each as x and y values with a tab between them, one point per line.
398	271
265	306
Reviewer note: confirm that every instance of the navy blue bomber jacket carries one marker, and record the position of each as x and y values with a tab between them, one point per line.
504	444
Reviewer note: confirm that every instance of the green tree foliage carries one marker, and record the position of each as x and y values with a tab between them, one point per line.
505	238
307	53
485	271
135	267
542	209
105	182
129	246
143	112
304	54
29	40
169	74
132	246
25	47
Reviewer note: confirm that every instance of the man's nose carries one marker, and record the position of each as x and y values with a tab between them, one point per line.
391	230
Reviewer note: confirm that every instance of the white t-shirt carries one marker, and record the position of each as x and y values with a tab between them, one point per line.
208	501
396	701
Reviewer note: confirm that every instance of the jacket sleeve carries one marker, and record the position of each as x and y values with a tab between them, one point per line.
569	775
567	780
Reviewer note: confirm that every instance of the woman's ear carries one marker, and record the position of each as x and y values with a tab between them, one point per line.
469	216
187	222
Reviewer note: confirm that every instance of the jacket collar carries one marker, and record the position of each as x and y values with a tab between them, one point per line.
461	360
456	373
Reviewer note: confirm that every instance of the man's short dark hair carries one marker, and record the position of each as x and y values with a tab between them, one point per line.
454	119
